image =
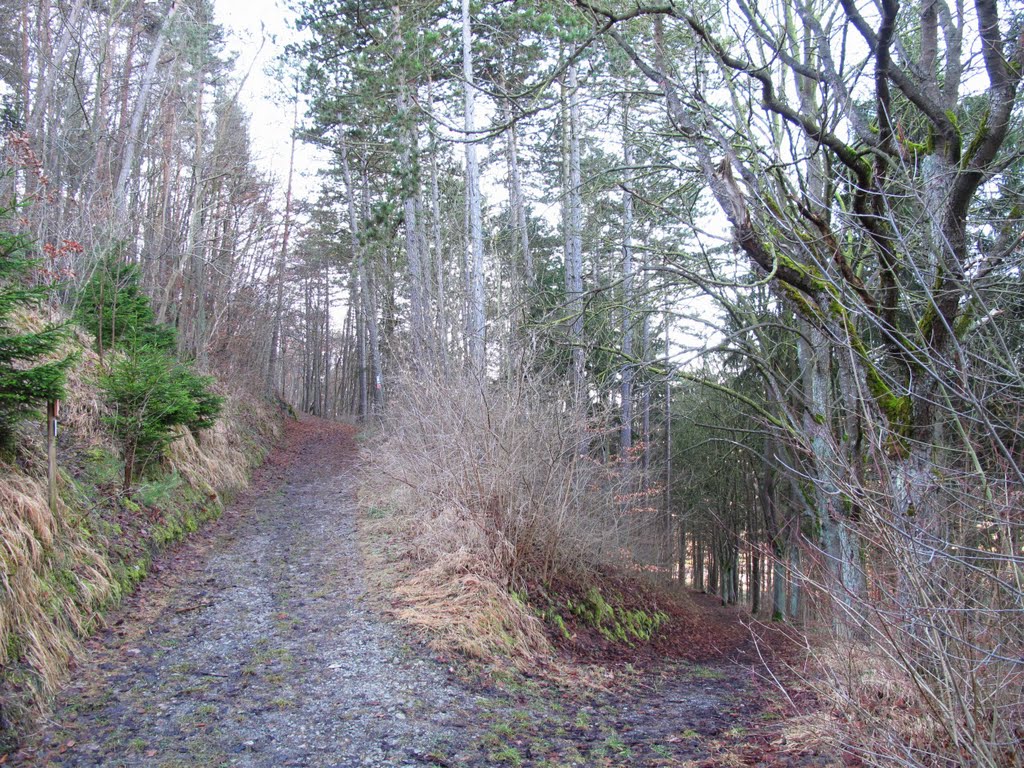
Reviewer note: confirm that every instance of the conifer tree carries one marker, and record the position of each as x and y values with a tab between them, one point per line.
149	390
27	376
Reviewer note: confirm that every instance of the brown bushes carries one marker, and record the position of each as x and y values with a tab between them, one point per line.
491	489
927	669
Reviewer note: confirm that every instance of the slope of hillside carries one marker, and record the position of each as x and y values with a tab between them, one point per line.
63	568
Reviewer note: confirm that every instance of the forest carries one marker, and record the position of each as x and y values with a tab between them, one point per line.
723	296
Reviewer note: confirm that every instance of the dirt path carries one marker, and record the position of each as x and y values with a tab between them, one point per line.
254	647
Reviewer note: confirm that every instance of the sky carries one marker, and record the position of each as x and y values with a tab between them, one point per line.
258	31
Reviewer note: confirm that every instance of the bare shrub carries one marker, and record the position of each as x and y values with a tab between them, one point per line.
927	668
495	490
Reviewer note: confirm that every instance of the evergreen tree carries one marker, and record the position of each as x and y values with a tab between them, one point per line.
25	381
150	391
112	307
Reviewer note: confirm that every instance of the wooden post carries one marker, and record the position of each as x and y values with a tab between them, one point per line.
51	453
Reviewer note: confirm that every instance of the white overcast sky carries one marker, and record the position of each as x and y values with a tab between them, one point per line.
258	31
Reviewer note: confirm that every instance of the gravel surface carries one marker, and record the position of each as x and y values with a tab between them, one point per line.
256	646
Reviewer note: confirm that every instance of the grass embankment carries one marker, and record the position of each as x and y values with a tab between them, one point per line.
62	570
501	539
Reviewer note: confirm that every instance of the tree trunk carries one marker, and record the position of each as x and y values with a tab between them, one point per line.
713	565
794	582
195	246
626	371
681	559
282	257
517	201
574	237
755	580
134	130
410	191
839	541
442	319
476	320
698	564
50	69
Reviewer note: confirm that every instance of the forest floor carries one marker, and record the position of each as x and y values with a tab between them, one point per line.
259	643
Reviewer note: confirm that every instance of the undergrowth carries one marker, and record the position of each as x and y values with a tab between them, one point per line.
615	623
487	489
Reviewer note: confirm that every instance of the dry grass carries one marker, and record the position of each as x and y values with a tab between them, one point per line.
814	732
52	586
212	463
461	599
54	581
872	706
463	606
485	489
83	410
219	459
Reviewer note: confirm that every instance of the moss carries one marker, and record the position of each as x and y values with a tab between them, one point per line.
617	625
14	646
127	577
508	755
927	321
102	466
64	579
159	493
897	409
378	512
803	304
641	624
554	618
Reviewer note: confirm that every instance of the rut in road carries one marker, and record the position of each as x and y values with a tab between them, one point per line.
258	648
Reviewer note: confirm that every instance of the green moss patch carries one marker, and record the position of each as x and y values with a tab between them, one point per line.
616	623
611	616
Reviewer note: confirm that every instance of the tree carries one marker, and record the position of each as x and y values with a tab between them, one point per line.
25	379
476	318
150	394
149	390
113	308
863	207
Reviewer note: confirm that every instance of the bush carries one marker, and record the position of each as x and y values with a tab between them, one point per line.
24	381
150	394
488	489
507	458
